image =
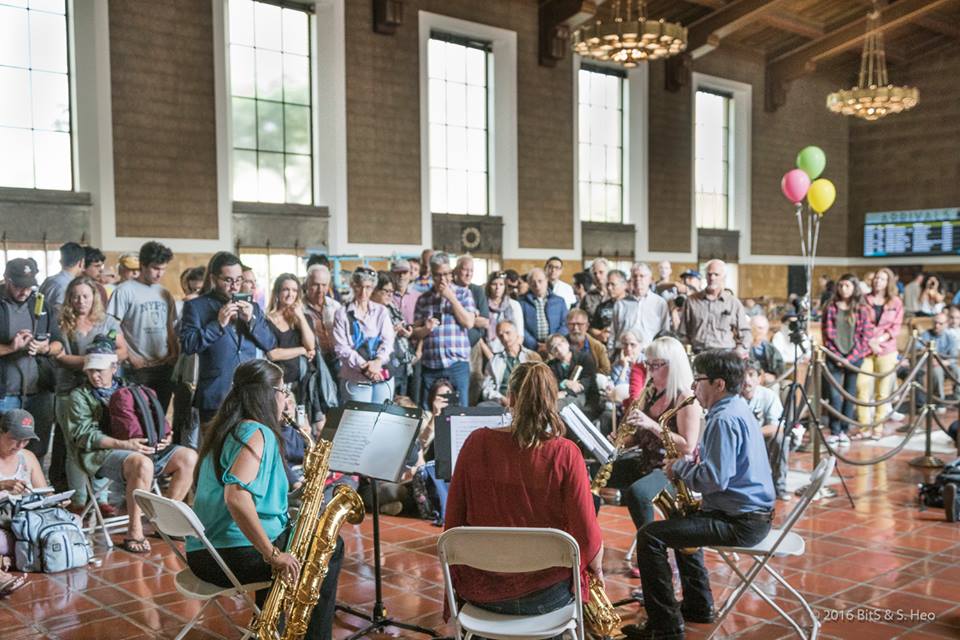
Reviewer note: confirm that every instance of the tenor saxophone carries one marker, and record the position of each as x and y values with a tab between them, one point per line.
623	431
312	543
684	503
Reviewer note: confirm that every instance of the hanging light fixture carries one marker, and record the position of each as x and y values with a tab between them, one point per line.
873	97
628	37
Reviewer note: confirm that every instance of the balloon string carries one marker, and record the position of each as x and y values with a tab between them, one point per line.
803	246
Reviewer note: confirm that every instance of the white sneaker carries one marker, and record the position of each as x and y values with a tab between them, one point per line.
941	411
896	416
833	440
844	439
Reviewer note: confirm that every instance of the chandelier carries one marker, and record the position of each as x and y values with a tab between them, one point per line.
873	97
628	37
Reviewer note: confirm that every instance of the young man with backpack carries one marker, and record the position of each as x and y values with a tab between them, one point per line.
132	452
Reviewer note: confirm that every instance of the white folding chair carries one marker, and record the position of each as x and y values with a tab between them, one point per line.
173	518
778	543
92	519
511	550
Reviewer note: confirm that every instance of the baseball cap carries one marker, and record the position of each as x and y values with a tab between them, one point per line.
19	424
400	266
99	361
690	273
22	272
130	261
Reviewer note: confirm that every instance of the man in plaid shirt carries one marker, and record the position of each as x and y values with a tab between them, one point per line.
443	316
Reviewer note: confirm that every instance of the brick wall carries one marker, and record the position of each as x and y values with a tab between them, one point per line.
164	134
383	125
776	139
910	160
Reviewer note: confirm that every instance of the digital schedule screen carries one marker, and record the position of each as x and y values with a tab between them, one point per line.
922	232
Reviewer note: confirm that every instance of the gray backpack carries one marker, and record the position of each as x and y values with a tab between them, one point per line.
48	540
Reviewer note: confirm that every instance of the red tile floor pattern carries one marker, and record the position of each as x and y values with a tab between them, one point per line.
884	555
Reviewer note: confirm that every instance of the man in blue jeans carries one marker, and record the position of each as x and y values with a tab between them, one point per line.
733	475
444	315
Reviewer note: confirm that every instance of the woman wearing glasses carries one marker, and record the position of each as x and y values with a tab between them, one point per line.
641	477
363	342
241	495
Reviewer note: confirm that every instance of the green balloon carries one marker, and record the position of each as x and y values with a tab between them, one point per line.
811	160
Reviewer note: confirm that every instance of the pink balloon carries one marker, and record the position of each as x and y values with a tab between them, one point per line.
794	185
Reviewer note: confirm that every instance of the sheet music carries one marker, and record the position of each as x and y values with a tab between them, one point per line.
588	435
462	426
372	444
350	440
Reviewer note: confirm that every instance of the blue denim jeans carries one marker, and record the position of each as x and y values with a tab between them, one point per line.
703	528
544	601
458	374
848	380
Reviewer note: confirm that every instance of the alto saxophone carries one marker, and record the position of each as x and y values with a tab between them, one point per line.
312	543
684	503
622	432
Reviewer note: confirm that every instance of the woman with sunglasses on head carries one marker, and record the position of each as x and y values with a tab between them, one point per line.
502	307
404	354
296	343
363	341
241	494
641	477
847	330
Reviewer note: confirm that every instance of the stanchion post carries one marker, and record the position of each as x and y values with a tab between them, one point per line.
928	460
817	371
912	409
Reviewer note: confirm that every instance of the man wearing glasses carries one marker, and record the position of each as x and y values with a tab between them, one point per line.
443	317
224	326
732	473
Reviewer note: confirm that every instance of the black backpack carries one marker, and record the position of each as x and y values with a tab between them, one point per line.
931	493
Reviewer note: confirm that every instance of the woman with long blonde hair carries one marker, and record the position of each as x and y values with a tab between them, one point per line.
83	321
525	475
295	340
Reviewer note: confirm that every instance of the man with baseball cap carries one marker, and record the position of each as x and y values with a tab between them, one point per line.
405	296
29	337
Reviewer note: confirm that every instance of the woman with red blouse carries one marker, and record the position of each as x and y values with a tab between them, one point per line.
847	330
525	475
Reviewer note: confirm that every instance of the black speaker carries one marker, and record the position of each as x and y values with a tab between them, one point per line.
796	279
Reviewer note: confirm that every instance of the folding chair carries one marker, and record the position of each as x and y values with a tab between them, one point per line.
778	543
173	518
511	550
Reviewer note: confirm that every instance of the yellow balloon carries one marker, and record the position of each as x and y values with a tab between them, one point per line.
821	195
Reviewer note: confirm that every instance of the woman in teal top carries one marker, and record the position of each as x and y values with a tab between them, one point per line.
241	494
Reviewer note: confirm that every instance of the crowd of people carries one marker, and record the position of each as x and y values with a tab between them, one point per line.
617	345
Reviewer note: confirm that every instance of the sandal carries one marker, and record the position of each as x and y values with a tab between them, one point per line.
134	545
12	584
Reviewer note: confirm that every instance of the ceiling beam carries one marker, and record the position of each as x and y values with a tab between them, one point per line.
705	34
557	18
710	4
803	60
938	23
794	23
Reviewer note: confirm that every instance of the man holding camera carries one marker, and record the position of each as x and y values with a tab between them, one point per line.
224	326
27	338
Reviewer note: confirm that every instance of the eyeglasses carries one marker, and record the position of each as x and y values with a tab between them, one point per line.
653	365
230	281
498	274
283	390
363	270
700	379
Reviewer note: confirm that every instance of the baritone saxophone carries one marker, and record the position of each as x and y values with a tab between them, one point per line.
312	542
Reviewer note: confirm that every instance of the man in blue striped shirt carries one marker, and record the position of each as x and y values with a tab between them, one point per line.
732	473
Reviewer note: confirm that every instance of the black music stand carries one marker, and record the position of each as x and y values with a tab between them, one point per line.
377	618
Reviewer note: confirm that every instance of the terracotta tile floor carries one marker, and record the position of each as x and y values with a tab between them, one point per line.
884	554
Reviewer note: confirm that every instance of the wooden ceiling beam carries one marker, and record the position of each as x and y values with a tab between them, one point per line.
803	59
710	4
794	23
557	18
938	23
705	34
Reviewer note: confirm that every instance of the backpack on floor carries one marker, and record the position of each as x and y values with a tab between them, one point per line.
135	412
931	493
47	539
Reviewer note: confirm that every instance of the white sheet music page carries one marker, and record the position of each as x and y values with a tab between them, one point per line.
462	426
350	440
384	456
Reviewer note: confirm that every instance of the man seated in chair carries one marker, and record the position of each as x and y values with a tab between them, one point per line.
132	464
733	475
